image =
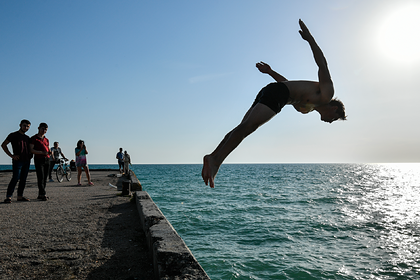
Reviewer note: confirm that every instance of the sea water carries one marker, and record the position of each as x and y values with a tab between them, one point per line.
295	221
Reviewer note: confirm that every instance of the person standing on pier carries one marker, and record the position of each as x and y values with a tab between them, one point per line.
120	157
55	158
40	147
21	160
127	162
81	161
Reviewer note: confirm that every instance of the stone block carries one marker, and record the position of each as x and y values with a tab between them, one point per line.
172	260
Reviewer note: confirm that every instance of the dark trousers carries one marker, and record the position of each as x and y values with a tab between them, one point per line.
52	163
20	173
42	166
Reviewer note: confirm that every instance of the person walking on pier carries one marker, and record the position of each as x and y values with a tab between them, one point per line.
21	160
304	96
40	147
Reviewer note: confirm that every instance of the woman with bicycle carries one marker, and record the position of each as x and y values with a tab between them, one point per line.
81	161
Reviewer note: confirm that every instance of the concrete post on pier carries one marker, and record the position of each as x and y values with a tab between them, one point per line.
129	184
126	187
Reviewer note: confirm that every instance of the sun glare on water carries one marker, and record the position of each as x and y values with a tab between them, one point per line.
399	36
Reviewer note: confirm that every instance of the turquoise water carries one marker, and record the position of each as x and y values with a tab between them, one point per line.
295	221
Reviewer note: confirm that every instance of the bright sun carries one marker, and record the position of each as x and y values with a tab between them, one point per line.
399	35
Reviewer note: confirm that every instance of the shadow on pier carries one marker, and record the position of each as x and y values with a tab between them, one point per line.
129	256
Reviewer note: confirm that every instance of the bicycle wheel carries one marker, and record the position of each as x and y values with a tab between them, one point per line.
68	173
60	173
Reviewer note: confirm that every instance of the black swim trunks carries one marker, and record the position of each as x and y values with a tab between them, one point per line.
274	95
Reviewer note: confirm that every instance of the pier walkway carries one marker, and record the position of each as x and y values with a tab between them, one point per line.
81	232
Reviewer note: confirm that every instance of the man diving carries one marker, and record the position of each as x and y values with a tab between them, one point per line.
304	96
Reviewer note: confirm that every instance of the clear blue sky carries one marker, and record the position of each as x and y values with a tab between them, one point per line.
166	80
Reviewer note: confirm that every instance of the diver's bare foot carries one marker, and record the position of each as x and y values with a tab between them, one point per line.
209	170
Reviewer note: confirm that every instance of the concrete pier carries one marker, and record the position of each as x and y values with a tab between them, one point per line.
171	257
90	232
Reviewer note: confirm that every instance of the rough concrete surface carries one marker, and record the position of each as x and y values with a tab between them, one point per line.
81	232
172	260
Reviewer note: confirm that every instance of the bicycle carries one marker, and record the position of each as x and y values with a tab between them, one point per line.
63	169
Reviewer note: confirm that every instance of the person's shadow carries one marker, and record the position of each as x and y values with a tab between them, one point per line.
126	241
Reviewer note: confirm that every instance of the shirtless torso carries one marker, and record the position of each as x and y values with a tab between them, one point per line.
304	95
